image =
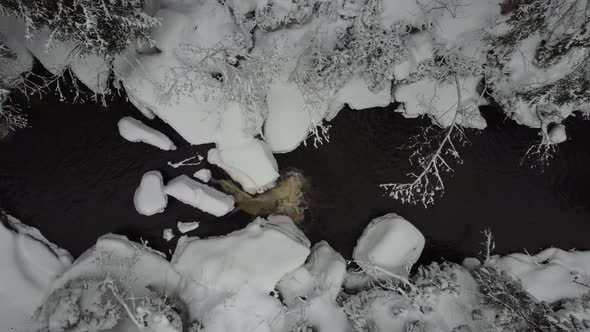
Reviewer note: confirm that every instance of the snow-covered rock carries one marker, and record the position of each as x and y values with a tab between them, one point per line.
185	227
557	134
389	245
310	291
203	175
134	130
551	275
149	197
167	234
30	264
251	164
201	196
237	259
228	279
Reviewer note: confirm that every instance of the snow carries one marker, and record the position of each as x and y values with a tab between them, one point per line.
395	11
204	175
356	94
149	197
389	245
439	101
91	70
134	130
251	164
29	263
557	134
133	267
420	48
551	275
201	196
228	279
167	234
185	227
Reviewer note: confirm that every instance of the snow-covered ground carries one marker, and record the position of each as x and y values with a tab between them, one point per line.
265	277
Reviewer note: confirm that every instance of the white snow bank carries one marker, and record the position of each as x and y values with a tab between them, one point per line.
389	245
134	130
551	275
356	94
228	279
439	101
199	195
185	227
203	175
251	164
149	197
29	263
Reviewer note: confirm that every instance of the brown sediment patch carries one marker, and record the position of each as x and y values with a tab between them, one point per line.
286	198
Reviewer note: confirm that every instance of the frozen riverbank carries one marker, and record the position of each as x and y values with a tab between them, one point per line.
233	283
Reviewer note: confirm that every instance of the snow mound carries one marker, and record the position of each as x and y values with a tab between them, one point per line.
185	227
136	131
389	245
228	279
203	175
149	197
551	275
29	263
251	164
199	195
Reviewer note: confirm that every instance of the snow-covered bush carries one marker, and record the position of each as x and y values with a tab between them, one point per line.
409	304
100	27
81	305
99	304
515	309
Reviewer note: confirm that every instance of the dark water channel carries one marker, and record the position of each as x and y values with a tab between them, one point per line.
72	176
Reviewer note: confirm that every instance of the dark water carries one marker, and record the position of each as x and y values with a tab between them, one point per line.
72	176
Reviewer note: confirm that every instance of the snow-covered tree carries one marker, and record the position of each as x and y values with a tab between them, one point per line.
538	66
103	27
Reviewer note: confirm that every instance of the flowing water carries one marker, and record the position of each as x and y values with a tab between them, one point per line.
72	176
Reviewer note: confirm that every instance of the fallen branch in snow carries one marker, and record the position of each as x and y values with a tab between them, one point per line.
429	182
185	162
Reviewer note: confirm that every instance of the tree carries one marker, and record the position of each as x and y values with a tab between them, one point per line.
103	27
